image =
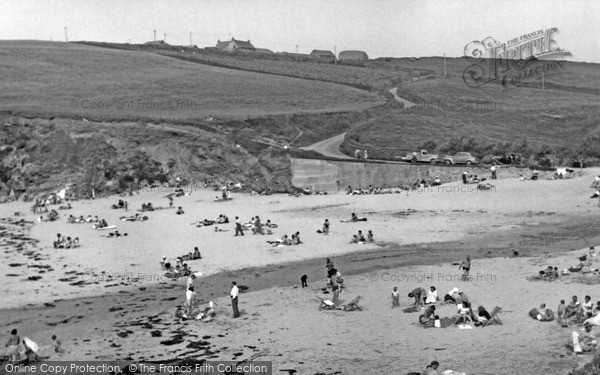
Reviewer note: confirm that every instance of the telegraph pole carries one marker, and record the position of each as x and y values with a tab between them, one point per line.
445	71
155	35
66	36
191	44
335	55
165	37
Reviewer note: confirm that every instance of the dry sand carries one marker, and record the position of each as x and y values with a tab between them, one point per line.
416	234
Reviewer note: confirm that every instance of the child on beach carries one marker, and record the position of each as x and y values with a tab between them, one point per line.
57	345
395	298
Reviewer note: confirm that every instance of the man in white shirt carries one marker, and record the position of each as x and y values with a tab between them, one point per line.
234	300
493	168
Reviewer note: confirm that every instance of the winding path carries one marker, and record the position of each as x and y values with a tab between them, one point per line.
329	147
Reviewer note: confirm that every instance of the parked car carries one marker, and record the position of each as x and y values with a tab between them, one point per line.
508	159
420	157
460	158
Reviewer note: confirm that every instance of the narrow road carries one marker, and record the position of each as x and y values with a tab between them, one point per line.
329	147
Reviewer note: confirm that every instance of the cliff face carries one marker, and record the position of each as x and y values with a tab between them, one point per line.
39	155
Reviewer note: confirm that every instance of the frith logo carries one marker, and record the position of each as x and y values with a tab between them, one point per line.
516	62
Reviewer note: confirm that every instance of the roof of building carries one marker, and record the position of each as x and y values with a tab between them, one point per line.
322	52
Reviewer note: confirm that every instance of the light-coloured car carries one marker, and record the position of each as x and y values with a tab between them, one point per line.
460	158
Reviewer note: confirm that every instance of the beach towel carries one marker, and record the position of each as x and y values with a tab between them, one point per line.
105	228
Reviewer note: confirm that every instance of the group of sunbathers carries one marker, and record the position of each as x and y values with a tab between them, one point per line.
136	217
584	266
464	314
63	242
147	207
181	268
360	238
222	219
120	204
577	311
582	313
258	227
101	224
81	220
225	195
294	239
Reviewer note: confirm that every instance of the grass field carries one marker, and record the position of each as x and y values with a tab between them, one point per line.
60	79
563	120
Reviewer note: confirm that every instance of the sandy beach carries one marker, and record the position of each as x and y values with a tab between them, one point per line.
108	297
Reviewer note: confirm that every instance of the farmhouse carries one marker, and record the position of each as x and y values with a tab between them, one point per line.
234	45
322	54
353	55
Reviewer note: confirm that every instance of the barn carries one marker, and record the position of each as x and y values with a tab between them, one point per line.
353	55
322	54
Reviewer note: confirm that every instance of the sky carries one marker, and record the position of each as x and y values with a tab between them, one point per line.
395	28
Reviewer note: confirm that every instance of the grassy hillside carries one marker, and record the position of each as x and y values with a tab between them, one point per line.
555	125
72	80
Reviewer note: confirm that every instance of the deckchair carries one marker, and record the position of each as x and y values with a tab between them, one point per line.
493	317
353	305
327	304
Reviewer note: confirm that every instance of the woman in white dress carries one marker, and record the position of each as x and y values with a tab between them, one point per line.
432	296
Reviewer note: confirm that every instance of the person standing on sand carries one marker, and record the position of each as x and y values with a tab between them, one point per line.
238	227
234	300
493	169
13	346
395	298
465	265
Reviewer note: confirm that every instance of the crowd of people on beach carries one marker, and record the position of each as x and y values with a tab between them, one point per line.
63	242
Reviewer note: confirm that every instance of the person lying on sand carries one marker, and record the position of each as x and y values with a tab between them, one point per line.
136	217
222	219
116	234
542	313
208	313
354	219
428	317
